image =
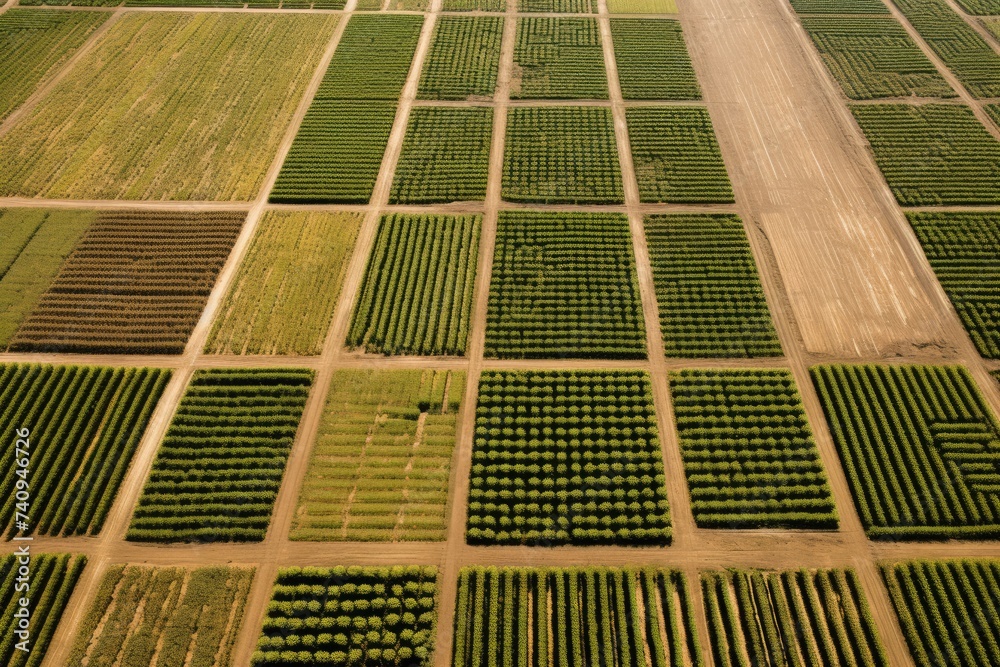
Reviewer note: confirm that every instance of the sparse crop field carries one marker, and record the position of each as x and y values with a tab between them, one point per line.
933	154
711	302
948	610
920	448
677	157
165	616
220	465
813	617
464	58
136	282
381	463
566	457
653	62
283	298
872	7
445	156
52	580
152	112
574	616
85	424
563	6
873	57
964	251
558	58
417	294
642	7
564	285
561	155
473	5
350	616
748	451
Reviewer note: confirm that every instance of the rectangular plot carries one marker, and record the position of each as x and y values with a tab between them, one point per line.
653	61
642	7
558	58
474	5
562	6
839	7
463	59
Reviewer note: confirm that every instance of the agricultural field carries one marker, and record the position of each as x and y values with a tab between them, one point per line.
948	610
964	251
564	285
920	448
445	156
283	297
642	7
473	5
874	57
677	157
980	7
149	113
463	60
748	451
309	617
85	424
574	616
135	283
52	580
561	155
418	288
567	457
558	58
711	302
932	154
563	6
813	617
870	7
381	462
653	62
167	616
218	470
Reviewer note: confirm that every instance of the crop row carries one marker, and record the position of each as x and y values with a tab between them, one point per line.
653	61
464	58
558	58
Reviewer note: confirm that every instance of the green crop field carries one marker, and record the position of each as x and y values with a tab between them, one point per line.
167	616
381	463
677	157
445	156
748	451
283	297
149	113
653	61
561	155
980	7
949	610
873	7
464	58
933	154
566	457
564	285
84	424
220	465
873	57
51	581
920	448
418	288
392	612
473	5
812	617
642	7
711	302
558	58
564	6
964	251
574	616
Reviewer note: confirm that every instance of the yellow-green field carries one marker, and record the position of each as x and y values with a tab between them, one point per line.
642	6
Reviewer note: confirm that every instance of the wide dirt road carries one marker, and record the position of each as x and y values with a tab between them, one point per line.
803	176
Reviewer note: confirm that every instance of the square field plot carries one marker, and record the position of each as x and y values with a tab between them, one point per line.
564	6
653	61
152	112
220	465
418	288
164	616
135	283
748	451
933	154
564	285
445	156
567	457
380	467
642	7
920	448
677	157
612	616
391	614
561	155
464	58
558	58
85	423
710	299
